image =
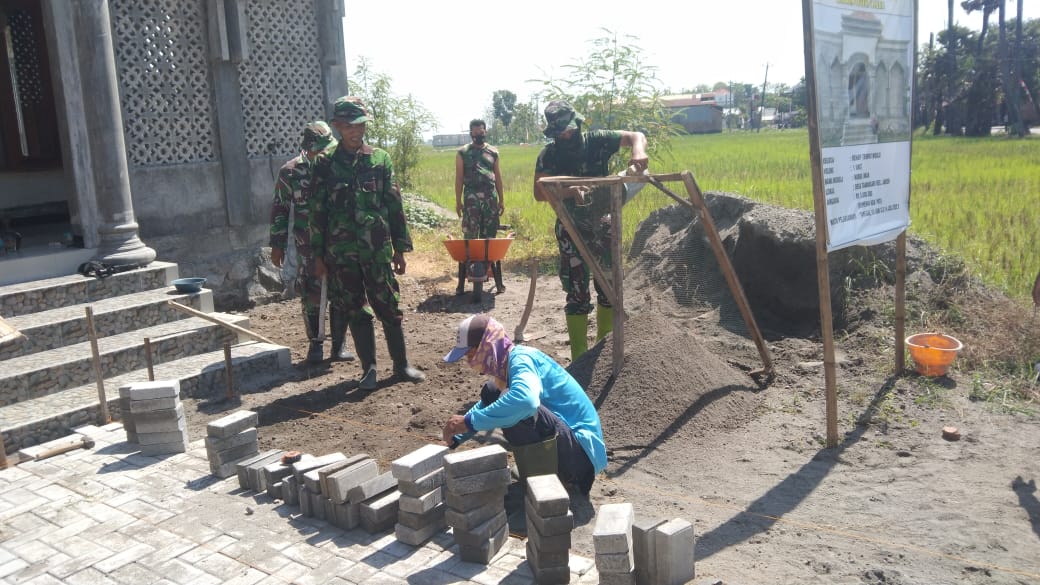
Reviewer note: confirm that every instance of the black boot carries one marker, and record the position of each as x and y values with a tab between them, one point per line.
364	334
461	288
338	324
496	269
314	351
395	343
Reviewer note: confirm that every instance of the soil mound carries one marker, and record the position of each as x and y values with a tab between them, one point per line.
669	384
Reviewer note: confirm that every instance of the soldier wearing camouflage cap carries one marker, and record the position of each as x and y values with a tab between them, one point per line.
359	236
291	193
479	198
575	153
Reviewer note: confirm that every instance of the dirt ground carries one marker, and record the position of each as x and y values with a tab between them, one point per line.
691	434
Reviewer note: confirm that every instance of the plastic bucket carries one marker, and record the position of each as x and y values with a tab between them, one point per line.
933	352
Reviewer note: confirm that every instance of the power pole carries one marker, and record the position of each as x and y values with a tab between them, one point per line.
763	100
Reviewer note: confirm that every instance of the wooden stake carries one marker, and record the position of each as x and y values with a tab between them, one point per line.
213	319
229	376
103	417
617	192
3	453
900	303
148	358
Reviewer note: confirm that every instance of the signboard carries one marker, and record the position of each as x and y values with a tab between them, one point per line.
863	66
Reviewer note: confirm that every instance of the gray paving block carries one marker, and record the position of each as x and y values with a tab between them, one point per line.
318	506
156	438
417	521
232	424
552	575
226	470
481	533
468	502
617	578
376	486
413	537
291	490
643	549
547	495
304	465
346	516
551	526
138	406
274	490
613	530
614	563
341	482
422	485
243	477
474	461
165	448
154	389
234	454
547	559
379	513
423	504
217	444
555	543
275	472
160	421
472	518
253	471
486	551
306	503
420	462
312	480
325	472
480	482
673	551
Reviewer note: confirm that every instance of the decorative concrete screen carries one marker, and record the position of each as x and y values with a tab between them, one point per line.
281	77
27	73
161	50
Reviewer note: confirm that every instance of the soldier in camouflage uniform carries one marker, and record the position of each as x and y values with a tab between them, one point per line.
290	200
576	154
479	199
358	229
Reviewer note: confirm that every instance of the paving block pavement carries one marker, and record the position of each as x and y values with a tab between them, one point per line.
113	515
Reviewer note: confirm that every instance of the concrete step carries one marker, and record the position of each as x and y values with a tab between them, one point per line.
51	293
52	416
47	372
45	330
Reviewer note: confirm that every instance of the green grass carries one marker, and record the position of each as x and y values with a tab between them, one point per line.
973	197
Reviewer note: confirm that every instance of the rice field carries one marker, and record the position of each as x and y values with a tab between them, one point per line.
977	198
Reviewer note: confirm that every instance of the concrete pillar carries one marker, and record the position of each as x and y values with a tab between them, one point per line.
117	229
330	14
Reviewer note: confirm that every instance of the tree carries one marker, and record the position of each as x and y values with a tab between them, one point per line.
397	122
613	88
503	103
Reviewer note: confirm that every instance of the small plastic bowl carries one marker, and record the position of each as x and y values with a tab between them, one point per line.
933	352
189	285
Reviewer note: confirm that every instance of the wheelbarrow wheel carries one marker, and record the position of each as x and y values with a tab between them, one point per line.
478	291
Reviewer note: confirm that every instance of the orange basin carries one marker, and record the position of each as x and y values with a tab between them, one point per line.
933	352
478	250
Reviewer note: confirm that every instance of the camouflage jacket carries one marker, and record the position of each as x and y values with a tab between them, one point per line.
592	159
478	165
291	190
357	212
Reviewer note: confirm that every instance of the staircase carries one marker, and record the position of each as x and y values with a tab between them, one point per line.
47	382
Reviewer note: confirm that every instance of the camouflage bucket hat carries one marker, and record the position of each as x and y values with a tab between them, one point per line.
350	110
316	136
559	117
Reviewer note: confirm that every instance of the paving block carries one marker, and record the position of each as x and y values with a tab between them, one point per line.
160	421
306	503
291	490
420	462
318	505
379	513
423	504
480	482
274	490
422	485
312	480
217	444
341	482
546	559
413	537
155	438
469	520
486	551
673	552
614	562
469	502
617	578
325	472
236	453
417	521
378	485
232	424
240	468
551	526
125	416
547	544
643	549
252	470
474	461
304	465
552	575
275	472
138	406
165	448
226	470
481	533
154	389
548	496
345	516
613	530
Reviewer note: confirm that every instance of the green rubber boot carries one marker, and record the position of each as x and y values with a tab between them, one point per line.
578	330
604	321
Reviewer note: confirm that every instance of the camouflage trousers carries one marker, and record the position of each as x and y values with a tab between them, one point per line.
575	273
352	283
308	286
479	214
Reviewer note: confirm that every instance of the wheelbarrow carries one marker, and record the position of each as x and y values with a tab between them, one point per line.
477	256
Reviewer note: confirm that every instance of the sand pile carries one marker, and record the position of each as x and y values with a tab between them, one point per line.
670	384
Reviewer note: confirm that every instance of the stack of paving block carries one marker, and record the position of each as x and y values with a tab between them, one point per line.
250	470
549	526
230	440
125	416
157	417
612	540
346	486
420	479
379	501
308	481
663	551
476	483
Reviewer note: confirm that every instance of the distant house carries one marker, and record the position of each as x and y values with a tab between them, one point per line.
697	113
445	140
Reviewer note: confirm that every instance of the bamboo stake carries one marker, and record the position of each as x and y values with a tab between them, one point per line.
229	376
901	303
213	319
618	337
102	400
148	358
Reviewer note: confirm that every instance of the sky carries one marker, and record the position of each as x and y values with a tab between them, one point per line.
452	56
